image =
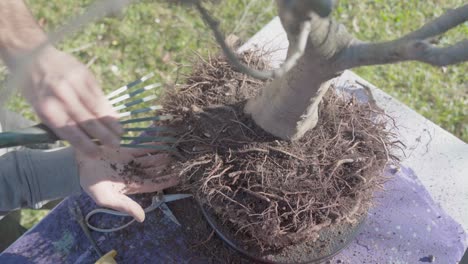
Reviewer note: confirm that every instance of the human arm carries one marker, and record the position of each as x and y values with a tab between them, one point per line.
62	91
29	178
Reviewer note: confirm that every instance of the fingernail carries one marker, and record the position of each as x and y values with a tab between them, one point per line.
141	219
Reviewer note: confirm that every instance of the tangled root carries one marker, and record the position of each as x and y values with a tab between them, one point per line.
275	192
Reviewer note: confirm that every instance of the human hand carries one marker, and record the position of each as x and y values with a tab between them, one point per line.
68	99
124	171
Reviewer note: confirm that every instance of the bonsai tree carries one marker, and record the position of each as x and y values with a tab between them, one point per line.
249	151
285	189
319	49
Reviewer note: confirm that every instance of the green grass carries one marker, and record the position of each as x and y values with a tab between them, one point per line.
30	217
161	37
440	94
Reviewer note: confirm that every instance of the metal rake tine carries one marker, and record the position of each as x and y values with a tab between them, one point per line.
153	147
145	119
134	93
130	85
139	111
146	139
148	129
132	103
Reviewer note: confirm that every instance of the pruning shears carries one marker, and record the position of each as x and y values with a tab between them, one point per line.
107	258
158	201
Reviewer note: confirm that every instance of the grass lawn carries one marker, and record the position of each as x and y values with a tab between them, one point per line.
161	37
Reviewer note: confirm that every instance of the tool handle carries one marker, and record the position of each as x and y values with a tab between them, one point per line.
36	134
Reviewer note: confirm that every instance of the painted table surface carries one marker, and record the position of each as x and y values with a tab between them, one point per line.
421	216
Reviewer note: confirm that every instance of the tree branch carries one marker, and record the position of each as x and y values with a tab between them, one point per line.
298	49
413	46
440	25
444	56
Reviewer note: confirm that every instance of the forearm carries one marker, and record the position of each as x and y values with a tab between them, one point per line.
19	32
29	178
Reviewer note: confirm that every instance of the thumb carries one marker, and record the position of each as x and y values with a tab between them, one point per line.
123	203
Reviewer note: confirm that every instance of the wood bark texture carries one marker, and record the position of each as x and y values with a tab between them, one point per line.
288	106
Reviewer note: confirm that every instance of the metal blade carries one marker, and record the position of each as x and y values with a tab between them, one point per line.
167	212
174	197
171	198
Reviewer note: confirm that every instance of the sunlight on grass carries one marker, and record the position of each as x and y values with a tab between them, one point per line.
30	217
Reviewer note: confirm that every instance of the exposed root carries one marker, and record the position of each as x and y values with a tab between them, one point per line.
274	192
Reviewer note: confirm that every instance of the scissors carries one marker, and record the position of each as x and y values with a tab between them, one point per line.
158	201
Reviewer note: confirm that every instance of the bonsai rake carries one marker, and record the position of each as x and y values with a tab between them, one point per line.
124	100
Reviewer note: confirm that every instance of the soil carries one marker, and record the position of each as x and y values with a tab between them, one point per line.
205	243
278	200
133	173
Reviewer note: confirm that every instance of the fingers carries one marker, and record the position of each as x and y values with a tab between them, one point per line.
139	152
51	111
88	121
153	185
98	104
158	160
91	109
80	112
124	204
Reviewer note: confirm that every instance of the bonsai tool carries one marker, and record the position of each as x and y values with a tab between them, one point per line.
107	258
42	134
158	201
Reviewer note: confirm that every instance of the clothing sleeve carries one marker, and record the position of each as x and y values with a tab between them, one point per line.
30	178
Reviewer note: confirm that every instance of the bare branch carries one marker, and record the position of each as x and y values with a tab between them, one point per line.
297	50
444	56
397	51
440	25
413	46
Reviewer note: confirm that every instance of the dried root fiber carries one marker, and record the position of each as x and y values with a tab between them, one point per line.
275	192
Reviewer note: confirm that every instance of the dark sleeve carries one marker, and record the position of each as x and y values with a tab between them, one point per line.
30	178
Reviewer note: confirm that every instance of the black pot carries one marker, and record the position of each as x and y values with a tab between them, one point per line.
331	241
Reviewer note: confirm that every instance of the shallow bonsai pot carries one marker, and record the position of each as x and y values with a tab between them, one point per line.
330	242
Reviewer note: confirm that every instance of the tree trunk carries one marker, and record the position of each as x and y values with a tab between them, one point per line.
288	106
